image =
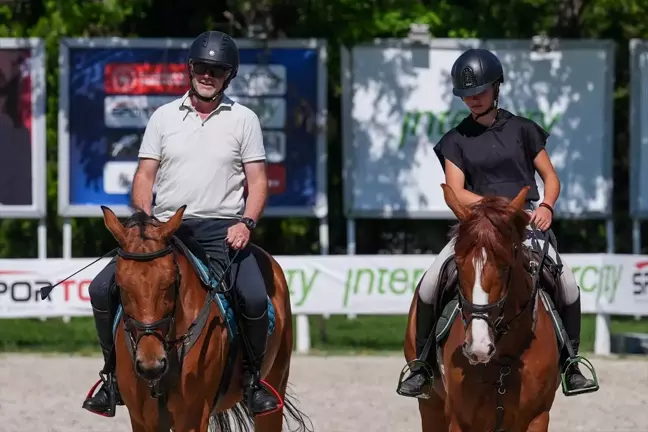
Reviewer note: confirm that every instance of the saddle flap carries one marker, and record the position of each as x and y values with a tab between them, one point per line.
447	283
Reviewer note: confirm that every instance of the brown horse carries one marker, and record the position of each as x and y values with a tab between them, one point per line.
170	319
500	361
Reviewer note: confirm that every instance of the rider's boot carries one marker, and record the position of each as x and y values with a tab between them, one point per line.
575	382
259	399
105	399
420	379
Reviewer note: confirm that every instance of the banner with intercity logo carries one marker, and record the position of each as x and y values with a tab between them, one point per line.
110	87
359	284
398	102
23	168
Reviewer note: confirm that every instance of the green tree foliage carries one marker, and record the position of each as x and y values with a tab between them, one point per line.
342	22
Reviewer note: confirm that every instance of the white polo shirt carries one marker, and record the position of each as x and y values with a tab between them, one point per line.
201	162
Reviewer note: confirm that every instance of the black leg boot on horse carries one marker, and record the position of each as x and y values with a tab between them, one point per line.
107	397
419	383
259	399
573	381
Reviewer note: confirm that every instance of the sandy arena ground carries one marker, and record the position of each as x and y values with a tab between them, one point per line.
340	394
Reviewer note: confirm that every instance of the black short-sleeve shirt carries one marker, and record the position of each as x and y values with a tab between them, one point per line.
496	160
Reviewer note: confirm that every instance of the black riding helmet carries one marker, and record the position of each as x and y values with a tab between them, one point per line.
474	71
216	48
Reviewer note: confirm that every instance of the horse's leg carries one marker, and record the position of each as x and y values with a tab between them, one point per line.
432	412
540	423
139	427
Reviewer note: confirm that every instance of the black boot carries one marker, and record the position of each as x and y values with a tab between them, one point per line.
419	382
258	398
107	397
574	381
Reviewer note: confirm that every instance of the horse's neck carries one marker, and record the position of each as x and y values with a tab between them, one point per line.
191	297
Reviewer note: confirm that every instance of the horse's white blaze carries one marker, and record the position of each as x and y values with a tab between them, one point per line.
481	340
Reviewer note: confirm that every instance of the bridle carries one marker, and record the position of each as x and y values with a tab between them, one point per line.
161	328
500	327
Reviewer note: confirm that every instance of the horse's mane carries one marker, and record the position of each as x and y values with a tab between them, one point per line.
141	219
488	228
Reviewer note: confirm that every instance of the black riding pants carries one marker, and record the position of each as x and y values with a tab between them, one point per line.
211	234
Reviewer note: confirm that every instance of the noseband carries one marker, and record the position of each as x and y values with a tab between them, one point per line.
159	329
470	311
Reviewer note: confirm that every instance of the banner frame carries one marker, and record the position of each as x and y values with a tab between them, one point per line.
67	209
637	47
347	79
38	73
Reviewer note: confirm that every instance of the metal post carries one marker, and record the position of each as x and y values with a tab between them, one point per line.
602	335
351	249
42	245
636	236
67	248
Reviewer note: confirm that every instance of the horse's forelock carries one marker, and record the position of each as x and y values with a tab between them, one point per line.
487	228
140	219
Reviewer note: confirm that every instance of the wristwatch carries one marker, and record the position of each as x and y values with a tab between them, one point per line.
249	223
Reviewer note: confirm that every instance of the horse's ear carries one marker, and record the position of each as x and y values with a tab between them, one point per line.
517	203
172	225
460	210
114	226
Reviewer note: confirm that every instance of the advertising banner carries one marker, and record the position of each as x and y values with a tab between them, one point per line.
110	87
639	128
369	284
23	171
398	103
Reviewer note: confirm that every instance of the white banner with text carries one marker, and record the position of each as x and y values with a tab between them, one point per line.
360	284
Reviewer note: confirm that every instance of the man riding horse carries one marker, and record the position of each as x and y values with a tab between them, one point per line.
494	152
202	147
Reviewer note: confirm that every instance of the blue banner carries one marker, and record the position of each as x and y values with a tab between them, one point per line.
113	90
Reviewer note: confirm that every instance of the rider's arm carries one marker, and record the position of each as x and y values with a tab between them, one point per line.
456	179
535	139
253	158
150	153
450	155
142	196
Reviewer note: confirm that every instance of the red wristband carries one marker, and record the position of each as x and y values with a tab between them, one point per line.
548	207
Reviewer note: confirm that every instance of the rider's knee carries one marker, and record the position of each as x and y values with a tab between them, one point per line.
570	288
428	287
100	288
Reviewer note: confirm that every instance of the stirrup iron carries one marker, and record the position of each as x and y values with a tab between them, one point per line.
422	364
575	360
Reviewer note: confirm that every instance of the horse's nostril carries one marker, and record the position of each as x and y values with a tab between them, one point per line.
491	348
465	346
163	363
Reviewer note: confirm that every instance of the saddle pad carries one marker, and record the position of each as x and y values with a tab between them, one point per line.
444	323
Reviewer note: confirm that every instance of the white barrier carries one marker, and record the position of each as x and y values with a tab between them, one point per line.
328	285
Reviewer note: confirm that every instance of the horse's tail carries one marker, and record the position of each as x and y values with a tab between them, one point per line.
239	418
290	410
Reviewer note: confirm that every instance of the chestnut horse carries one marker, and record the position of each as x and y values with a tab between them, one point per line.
171	317
512	385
